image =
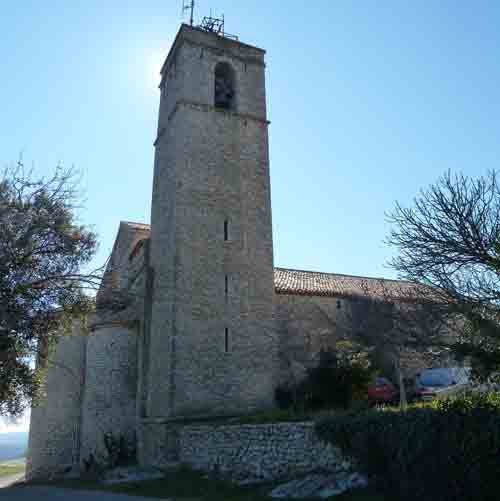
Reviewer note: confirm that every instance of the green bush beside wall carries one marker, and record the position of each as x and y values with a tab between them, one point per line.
449	451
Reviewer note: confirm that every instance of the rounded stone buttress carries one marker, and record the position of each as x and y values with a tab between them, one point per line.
109	403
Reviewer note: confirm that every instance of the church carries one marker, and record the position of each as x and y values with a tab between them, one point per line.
193	320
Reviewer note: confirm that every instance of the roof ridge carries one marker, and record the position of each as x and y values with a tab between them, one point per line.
343	275
136	224
146	226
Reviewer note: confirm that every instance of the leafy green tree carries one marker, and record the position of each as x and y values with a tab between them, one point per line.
342	376
43	250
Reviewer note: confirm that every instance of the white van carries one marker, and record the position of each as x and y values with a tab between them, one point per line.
442	382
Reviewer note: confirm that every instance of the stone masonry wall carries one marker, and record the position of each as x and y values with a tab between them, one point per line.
54	437
308	324
264	452
109	404
213	348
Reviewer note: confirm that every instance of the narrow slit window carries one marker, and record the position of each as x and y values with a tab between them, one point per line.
226	230
226	340
226	286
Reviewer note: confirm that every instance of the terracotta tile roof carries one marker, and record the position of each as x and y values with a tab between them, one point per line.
312	283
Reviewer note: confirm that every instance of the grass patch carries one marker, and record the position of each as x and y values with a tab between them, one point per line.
185	484
12	468
273	416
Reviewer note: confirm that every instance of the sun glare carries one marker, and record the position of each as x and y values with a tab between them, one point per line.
154	61
13	426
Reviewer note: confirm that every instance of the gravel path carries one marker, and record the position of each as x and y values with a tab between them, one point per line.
52	493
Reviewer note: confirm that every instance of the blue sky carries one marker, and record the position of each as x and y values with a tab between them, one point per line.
369	101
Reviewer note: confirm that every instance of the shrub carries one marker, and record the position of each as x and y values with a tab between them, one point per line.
336	385
121	450
341	377
469	402
284	397
450	451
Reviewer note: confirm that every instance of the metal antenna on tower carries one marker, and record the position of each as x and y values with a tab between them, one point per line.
188	5
216	25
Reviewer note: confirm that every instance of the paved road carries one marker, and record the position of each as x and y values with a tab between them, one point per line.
51	493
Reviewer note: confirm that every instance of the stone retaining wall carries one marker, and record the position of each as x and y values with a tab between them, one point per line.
264	452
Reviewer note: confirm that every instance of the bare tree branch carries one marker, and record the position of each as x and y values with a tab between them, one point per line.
449	241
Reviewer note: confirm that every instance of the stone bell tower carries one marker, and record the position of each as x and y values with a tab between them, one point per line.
211	347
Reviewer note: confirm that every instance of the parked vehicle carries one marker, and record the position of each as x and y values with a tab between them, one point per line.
441	382
382	391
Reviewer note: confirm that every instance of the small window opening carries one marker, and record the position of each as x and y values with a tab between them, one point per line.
226	230
339	304
226	287
226	340
224	93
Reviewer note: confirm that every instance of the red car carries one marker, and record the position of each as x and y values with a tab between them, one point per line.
382	391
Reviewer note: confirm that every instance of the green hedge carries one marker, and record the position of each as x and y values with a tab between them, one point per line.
450	451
